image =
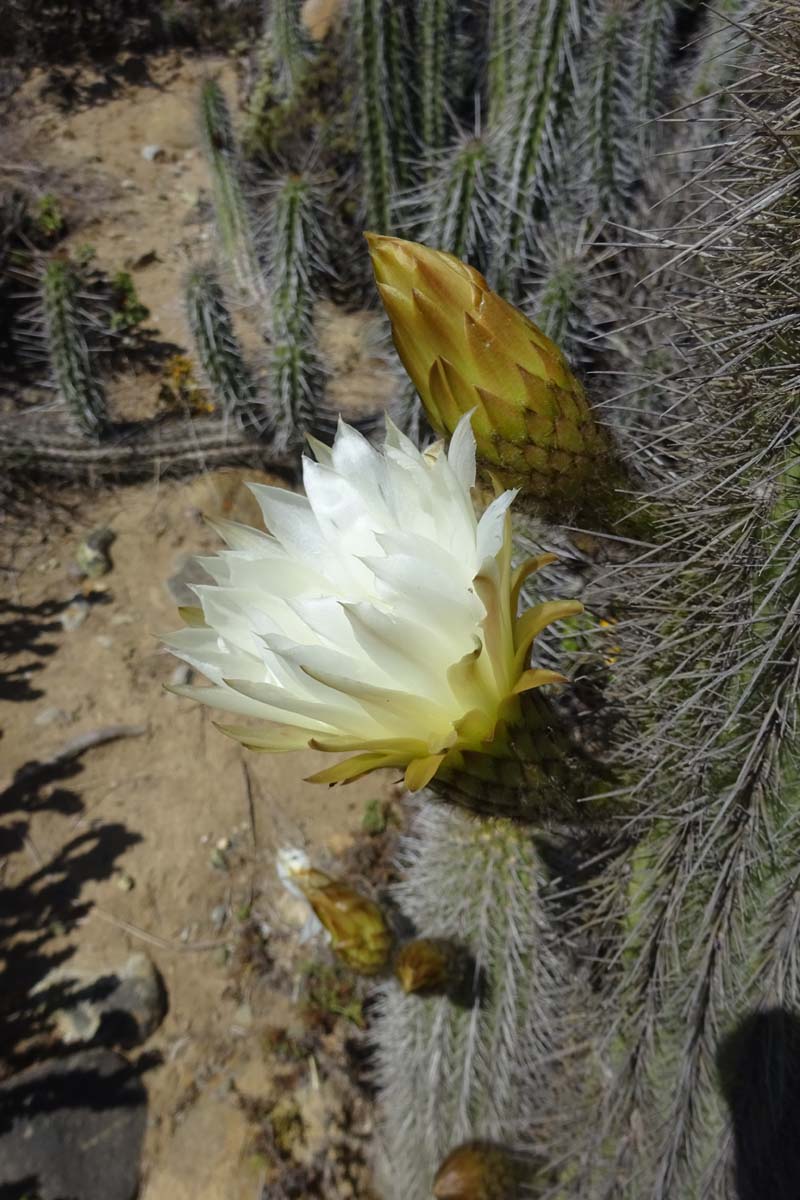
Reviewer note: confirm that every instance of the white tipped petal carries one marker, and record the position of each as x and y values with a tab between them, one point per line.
492	525
461	453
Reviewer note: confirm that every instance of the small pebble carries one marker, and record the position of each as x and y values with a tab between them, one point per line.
219	915
50	716
104	640
122	619
224	843
152	152
75	614
243	1017
218	860
125	882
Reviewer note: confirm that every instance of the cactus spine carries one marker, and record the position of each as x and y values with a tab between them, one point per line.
217	347
295	255
66	328
230	207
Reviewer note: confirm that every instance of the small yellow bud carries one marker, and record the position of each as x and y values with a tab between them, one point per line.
468	350
429	965
359	934
480	1171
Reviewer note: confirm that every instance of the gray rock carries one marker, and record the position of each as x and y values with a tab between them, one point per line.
120	1007
75	614
187	573
152	152
73	1127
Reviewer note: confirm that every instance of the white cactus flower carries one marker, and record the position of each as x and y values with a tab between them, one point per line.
377	615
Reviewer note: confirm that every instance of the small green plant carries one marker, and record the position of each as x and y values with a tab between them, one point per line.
49	217
128	310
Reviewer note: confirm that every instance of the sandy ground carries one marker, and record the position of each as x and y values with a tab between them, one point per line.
128	837
163	841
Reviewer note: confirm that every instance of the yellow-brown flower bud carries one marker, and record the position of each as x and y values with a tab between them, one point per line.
468	350
428	965
480	1171
359	934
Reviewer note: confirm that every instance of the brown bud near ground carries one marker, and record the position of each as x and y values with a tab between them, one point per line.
429	965
480	1171
359	934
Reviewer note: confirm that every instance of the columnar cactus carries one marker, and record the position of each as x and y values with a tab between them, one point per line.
295	255
231	210
65	327
375	103
435	31
217	349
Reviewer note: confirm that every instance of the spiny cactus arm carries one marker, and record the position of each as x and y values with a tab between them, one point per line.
452	1072
535	118
231	211
296	255
292	46
67	349
503	30
607	108
655	28
459	198
435	21
726	688
217	348
398	64
368	17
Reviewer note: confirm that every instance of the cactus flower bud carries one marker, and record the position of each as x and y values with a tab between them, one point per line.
355	925
428	965
480	1171
469	351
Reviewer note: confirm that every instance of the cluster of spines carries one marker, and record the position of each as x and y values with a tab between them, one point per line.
67	327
